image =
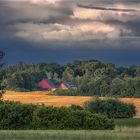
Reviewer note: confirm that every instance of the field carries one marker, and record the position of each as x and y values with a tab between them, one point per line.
118	134
126	129
42	97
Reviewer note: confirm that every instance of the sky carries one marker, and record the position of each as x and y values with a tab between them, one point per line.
61	31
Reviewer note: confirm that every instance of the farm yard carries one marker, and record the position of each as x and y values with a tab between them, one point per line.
43	97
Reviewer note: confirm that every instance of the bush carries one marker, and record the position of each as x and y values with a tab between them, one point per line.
66	118
19	116
15	115
76	107
65	92
111	108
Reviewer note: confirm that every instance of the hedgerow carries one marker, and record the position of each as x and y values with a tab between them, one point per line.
20	116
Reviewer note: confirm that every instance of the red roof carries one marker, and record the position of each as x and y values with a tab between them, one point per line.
46	84
63	86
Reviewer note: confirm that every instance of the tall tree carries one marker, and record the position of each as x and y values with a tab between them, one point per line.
1	74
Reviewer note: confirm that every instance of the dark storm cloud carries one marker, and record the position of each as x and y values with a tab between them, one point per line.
41	30
106	9
19	50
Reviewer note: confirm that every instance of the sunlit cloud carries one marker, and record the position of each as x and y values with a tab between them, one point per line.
48	20
41	2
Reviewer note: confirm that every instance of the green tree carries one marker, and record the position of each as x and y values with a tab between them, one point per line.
111	108
68	75
1	75
116	87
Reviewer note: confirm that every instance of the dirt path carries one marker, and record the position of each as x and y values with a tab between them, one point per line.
42	97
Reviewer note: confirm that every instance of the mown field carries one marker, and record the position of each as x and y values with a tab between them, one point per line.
42	97
117	134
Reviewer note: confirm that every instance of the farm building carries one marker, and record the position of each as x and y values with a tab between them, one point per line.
66	86
47	84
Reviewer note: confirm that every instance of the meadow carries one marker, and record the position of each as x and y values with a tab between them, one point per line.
126	129
123	133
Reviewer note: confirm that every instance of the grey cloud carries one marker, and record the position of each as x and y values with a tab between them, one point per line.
43	32
13	12
90	6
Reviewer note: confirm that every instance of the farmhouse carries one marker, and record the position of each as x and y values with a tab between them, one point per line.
66	86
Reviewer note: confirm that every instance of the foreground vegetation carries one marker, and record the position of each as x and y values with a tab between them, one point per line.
19	116
132	122
126	129
111	108
118	134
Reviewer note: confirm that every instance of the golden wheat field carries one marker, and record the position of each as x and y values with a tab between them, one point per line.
42	97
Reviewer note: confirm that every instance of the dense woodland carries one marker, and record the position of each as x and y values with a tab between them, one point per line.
92	77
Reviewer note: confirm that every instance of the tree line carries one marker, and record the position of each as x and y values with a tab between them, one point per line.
93	77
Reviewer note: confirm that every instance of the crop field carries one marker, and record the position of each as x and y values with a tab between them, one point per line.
42	97
126	129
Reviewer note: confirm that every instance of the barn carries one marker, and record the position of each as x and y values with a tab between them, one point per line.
47	85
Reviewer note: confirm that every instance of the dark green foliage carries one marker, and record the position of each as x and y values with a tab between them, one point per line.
1	75
93	78
65	92
15	115
76	107
24	80
112	108
66	118
19	116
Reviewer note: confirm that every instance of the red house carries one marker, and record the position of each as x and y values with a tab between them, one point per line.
46	84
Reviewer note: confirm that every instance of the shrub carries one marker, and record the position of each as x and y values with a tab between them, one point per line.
66	118
19	116
112	108
64	92
76	107
15	115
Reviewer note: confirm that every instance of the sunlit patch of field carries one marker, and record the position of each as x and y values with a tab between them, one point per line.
43	97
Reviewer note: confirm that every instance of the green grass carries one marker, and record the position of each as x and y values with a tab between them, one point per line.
128	122
117	134
126	129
